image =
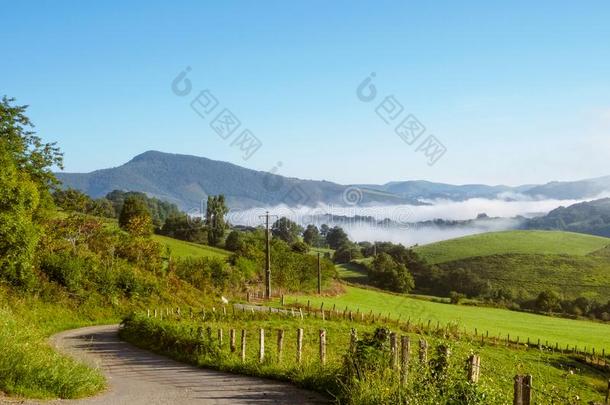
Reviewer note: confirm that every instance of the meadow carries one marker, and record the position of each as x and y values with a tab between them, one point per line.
519	242
496	321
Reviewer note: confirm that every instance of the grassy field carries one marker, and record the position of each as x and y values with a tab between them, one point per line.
352	272
522	242
496	321
181	248
528	274
554	381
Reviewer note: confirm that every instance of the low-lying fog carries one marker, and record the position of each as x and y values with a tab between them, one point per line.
404	225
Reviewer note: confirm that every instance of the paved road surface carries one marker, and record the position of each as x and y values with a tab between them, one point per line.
139	377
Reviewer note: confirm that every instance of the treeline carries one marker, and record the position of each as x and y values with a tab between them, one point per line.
111	205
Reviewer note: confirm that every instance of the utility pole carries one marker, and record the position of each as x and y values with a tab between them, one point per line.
319	276
268	256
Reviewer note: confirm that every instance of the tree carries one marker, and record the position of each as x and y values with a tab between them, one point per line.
324	230
101	207
25	150
215	219
140	225
71	200
311	236
186	228
346	253
233	242
19	233
286	230
548	301
133	208
336	237
385	273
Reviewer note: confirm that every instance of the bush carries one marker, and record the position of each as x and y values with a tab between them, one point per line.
64	269
456	297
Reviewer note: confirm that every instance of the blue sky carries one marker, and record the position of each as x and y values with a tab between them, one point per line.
517	93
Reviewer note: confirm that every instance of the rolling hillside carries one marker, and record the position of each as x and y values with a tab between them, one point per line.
183	249
592	217
512	242
529	262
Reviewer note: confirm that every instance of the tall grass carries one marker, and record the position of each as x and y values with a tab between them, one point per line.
30	367
187	340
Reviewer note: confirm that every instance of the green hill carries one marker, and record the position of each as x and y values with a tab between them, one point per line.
512	242
181	248
526	275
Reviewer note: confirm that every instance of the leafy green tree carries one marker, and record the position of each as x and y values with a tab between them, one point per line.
133	208
286	230
346	253
233	242
19	233
158	210
336	237
548	301
184	228
215	219
311	235
387	274
27	152
324	230
71	200
101	207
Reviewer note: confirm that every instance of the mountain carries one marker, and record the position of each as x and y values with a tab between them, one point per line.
421	189
187	181
568	190
592	217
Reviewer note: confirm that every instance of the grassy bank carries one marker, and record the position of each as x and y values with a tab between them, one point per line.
558	378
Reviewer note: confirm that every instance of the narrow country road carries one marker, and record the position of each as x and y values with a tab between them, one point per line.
139	377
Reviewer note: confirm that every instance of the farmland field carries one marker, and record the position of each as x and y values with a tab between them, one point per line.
523	242
496	321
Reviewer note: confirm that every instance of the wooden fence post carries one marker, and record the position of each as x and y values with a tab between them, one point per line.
393	351
280	344
322	346
248	296
518	390
522	394
474	368
299	345
423	351
243	345
283	302
261	345
405	353
608	394
220	337
232	340
353	338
